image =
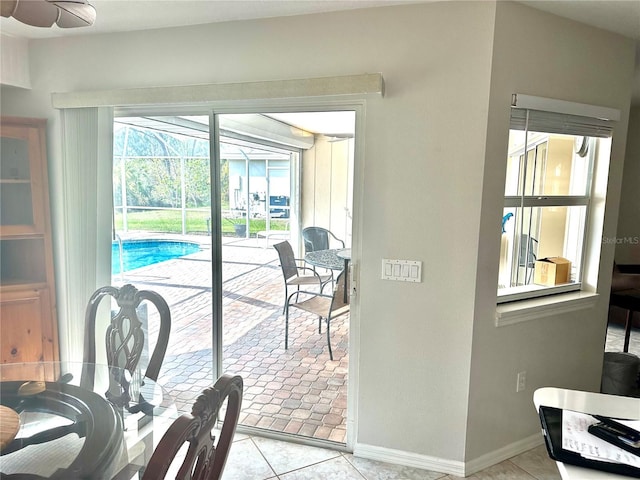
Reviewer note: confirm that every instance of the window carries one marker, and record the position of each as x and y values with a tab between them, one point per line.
547	195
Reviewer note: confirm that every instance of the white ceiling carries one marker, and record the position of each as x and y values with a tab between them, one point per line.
620	16
128	15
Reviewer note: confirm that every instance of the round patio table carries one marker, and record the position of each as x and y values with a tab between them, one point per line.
332	259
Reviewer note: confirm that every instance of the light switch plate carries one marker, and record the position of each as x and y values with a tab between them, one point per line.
402	270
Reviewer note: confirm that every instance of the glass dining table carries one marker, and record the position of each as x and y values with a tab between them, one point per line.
70	426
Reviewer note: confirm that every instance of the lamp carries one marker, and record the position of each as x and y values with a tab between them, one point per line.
44	13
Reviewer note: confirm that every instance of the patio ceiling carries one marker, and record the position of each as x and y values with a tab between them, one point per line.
292	128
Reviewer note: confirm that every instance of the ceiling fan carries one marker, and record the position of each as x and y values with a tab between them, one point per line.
44	13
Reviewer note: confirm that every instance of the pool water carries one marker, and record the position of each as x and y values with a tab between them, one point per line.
141	253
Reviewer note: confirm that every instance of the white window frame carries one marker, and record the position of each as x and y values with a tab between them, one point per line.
554	116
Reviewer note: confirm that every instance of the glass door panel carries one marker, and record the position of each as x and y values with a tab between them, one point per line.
262	187
163	235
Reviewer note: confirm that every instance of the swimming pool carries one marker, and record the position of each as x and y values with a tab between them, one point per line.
140	253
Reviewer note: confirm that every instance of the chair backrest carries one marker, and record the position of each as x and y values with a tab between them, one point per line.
530	243
318	238
315	238
338	301
203	460
287	259
125	337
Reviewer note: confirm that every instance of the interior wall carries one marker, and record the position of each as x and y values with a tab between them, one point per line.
420	186
428	187
548	56
627	239
328	183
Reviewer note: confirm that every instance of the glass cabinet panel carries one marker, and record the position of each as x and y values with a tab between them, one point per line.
17	178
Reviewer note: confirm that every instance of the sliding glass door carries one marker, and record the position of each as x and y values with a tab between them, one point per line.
199	202
277	176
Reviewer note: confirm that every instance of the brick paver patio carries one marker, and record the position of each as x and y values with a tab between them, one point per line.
299	390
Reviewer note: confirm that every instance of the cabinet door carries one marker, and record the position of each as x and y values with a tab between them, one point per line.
25	330
21	201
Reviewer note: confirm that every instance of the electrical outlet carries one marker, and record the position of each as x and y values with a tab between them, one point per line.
522	381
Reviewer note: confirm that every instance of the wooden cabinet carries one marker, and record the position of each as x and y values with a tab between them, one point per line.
28	320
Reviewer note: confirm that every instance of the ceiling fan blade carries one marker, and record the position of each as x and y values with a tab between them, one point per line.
7	7
35	13
74	13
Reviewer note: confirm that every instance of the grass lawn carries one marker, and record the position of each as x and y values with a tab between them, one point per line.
170	221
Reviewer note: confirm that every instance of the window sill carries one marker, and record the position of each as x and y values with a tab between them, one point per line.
525	310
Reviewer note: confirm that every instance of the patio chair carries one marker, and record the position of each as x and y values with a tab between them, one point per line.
528	251
203	459
318	238
294	274
324	306
125	335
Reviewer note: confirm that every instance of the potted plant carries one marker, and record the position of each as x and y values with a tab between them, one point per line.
239	225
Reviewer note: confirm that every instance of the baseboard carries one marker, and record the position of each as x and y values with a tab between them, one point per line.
408	459
442	465
502	454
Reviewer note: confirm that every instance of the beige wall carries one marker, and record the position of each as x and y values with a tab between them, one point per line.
436	378
627	239
539	54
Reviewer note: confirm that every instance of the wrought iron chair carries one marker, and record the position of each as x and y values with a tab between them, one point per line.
295	275
203	460
324	306
125	335
318	238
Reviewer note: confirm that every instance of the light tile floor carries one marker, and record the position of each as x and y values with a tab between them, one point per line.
252	297
256	458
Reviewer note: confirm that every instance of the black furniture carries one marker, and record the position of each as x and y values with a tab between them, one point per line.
326	307
204	460
623	300
125	335
318	238
628	300
297	275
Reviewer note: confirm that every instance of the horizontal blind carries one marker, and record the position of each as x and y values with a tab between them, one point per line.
551	122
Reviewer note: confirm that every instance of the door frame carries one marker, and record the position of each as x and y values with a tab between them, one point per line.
212	109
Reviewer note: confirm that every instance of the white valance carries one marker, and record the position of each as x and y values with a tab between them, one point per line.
350	85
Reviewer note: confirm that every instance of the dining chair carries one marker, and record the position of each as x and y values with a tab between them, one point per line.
324	306
203	459
125	335
318	238
296	275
